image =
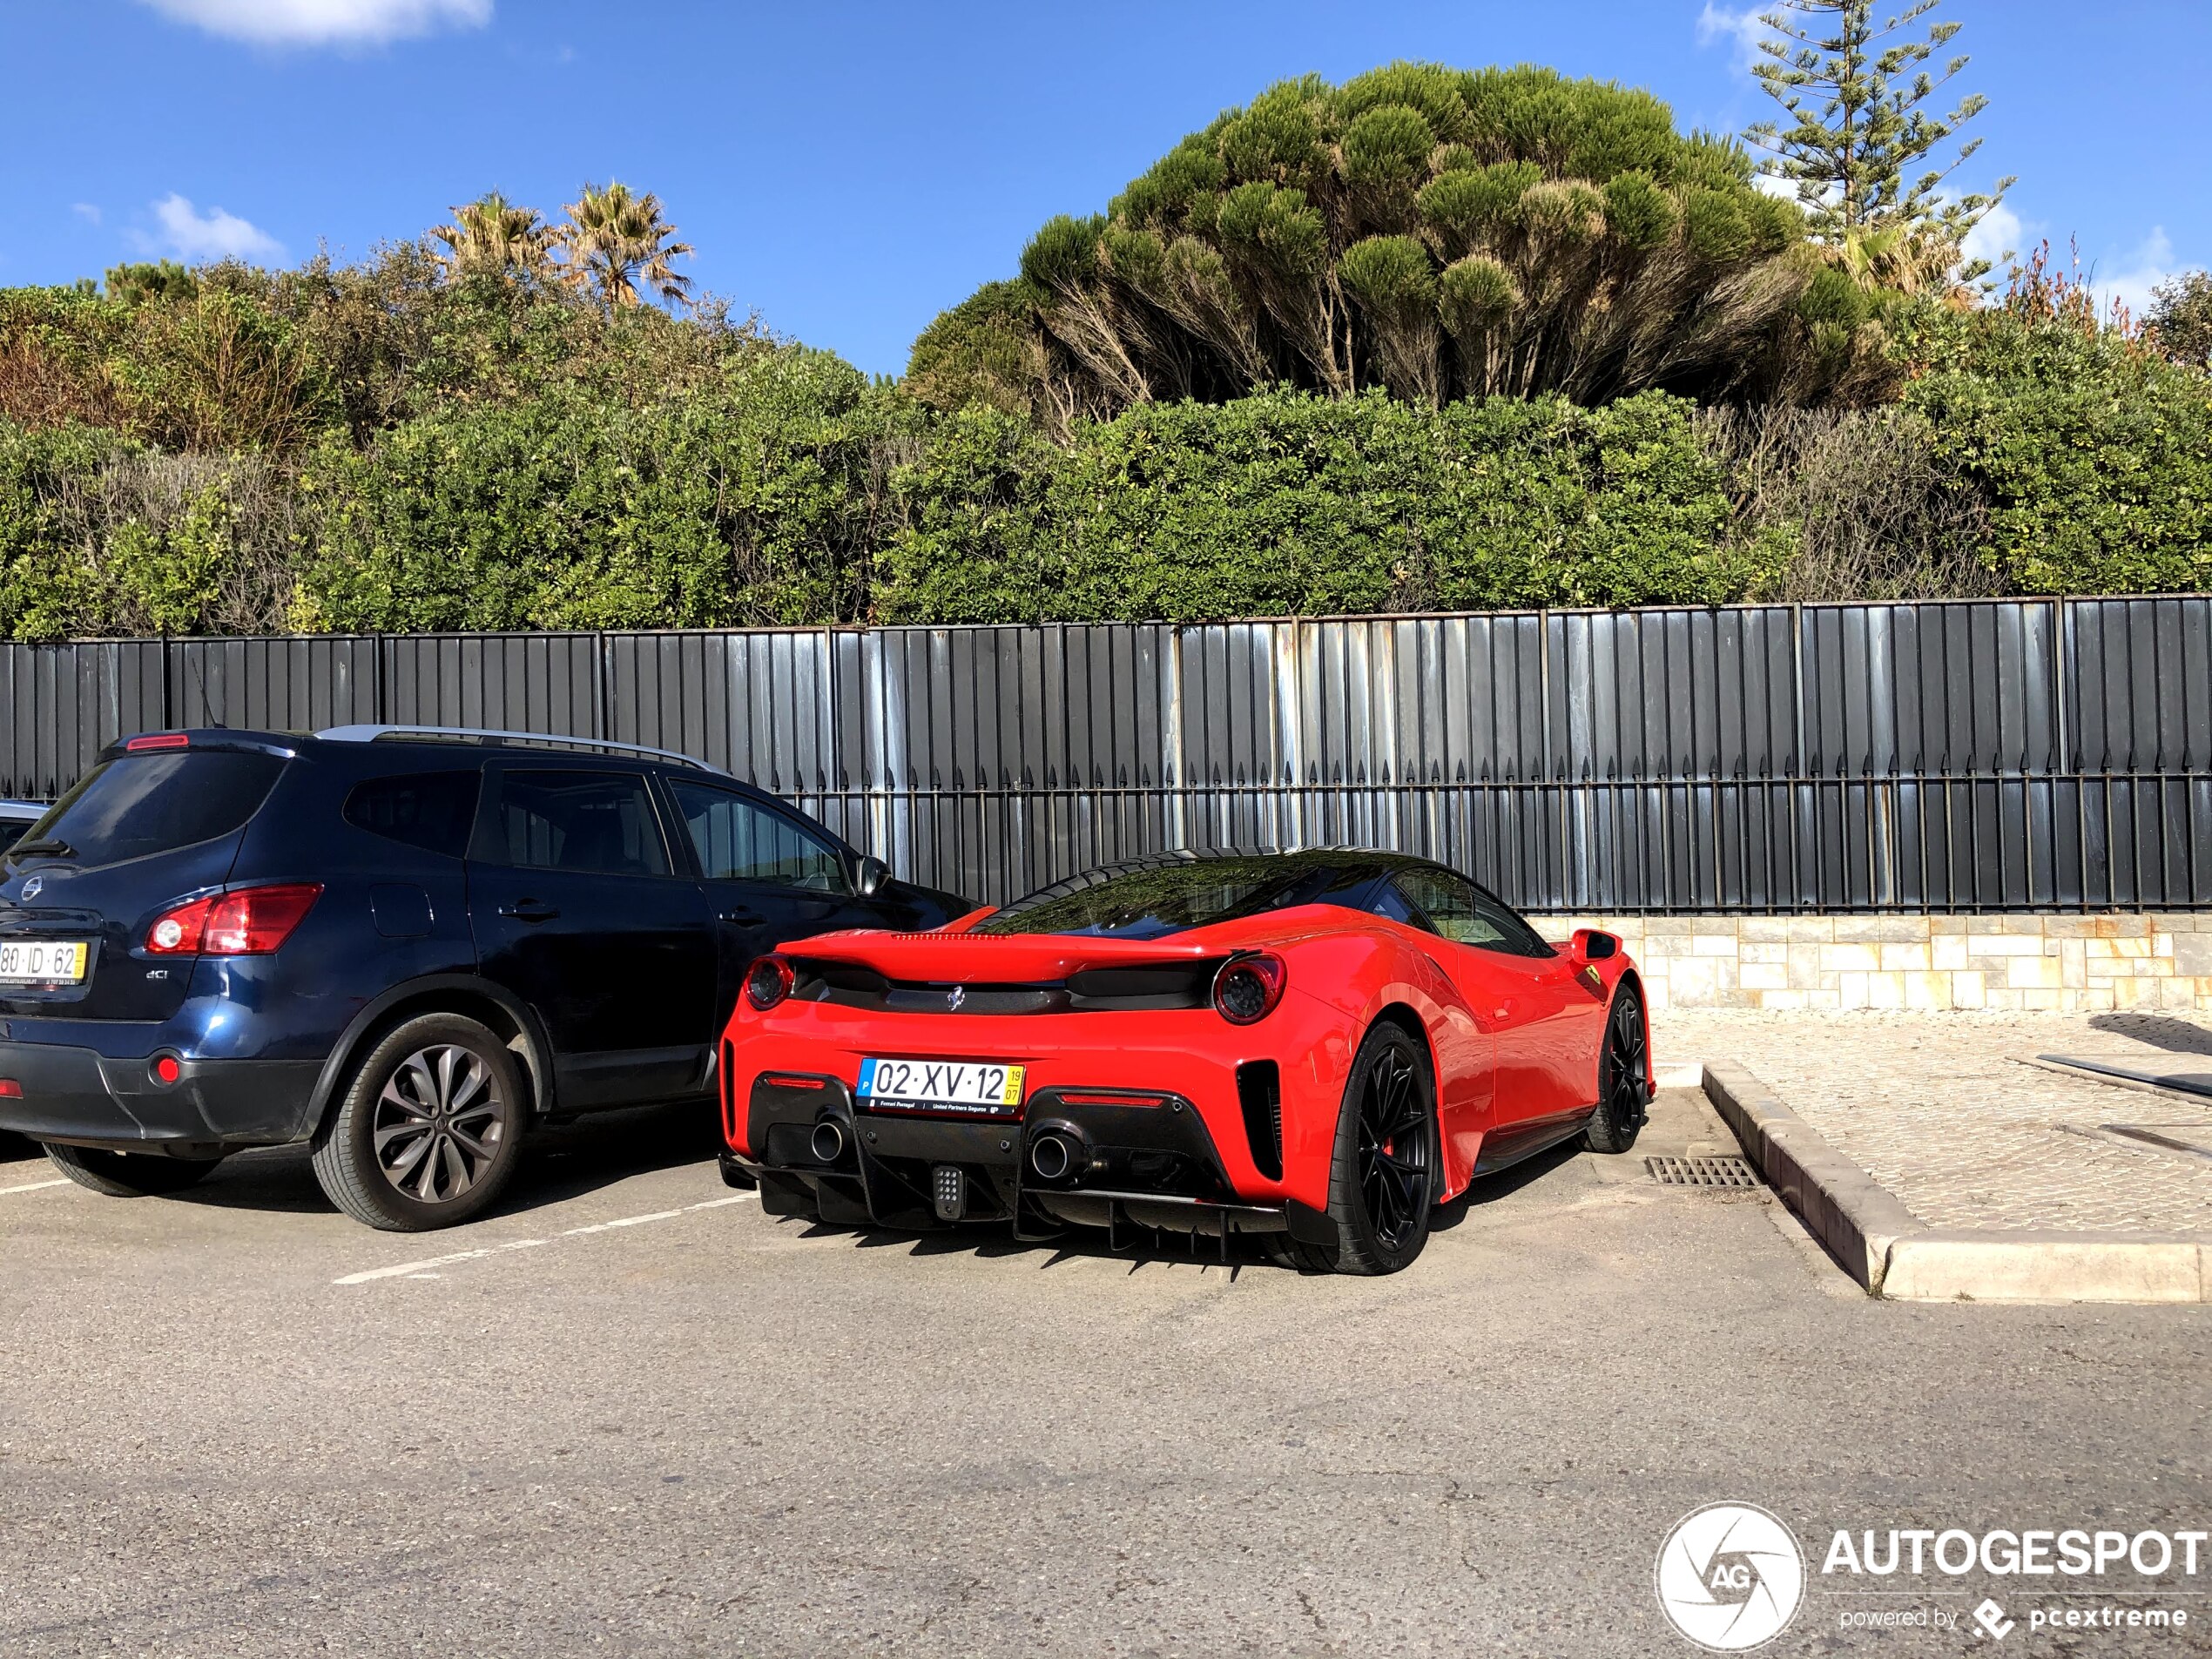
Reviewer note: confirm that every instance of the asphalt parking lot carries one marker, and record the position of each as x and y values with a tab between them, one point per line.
628	1414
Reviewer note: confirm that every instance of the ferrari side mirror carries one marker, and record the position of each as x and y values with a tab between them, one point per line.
868	878
1594	946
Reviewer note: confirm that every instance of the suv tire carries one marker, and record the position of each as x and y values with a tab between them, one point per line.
128	1175
428	1129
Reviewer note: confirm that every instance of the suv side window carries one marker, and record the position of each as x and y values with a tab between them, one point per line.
1464	913
432	810
597	823
738	839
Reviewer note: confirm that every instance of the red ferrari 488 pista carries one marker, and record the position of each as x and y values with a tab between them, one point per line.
1314	1047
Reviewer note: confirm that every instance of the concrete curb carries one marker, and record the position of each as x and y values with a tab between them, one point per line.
1892	1253
1847	1210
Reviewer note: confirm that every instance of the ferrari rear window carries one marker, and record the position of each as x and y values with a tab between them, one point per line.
1152	900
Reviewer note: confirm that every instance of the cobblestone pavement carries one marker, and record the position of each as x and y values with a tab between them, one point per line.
1940	1108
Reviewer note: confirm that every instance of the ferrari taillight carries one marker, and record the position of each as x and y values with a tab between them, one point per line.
768	982
1247	987
247	922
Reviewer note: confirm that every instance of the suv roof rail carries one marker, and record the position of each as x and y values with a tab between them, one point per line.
371	733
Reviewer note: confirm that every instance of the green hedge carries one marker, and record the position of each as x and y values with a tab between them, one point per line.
753	500
757	483
2094	454
1291	502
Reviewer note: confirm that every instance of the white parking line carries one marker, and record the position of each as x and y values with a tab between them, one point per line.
36	1186
425	1269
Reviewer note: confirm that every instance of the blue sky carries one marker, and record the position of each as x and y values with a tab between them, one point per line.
849	170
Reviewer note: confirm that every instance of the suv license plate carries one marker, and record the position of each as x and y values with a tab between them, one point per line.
984	1088
42	961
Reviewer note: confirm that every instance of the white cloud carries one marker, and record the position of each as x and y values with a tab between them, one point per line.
195	236
2150	263
87	211
1998	235
319	23
1741	28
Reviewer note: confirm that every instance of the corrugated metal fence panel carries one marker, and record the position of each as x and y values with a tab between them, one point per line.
2138	705
552	682
64	703
273	685
1999	755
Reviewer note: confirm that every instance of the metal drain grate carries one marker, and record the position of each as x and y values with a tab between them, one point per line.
1701	1172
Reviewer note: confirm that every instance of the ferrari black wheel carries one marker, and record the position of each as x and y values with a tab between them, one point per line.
1623	1100
1382	1178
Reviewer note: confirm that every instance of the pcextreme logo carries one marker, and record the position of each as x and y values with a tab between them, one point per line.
1730	1576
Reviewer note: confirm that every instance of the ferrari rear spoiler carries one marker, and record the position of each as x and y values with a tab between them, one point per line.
995	958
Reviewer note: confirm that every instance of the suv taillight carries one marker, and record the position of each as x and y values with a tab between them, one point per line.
247	922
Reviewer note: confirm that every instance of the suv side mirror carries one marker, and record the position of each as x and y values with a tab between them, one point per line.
1591	946
869	877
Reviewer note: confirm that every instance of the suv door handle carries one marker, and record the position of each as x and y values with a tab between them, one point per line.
529	910
739	916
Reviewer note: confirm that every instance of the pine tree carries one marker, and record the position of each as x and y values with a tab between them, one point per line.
1854	91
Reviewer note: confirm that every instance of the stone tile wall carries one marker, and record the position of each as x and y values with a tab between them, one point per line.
2072	964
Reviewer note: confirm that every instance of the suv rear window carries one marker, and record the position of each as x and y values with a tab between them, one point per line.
135	805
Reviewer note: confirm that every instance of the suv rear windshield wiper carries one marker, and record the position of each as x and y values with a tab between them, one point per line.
48	844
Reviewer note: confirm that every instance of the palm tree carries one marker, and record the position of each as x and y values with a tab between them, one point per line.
614	239
492	237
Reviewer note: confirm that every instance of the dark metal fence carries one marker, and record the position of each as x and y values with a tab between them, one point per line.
1969	756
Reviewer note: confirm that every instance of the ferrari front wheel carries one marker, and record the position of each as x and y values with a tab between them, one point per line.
1623	1100
1382	1175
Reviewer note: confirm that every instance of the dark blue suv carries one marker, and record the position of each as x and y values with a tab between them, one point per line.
403	945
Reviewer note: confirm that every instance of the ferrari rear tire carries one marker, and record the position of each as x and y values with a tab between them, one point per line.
1623	1100
1382	1175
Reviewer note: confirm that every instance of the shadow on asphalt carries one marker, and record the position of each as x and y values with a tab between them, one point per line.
559	1163
2177	1037
1142	1248
994	1241
1489	1188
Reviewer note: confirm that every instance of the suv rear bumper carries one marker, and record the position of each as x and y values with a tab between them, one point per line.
85	1098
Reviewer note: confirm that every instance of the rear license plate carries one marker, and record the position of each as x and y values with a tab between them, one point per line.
980	1088
42	961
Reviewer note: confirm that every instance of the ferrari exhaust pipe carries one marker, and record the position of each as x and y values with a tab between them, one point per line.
1054	1157
828	1141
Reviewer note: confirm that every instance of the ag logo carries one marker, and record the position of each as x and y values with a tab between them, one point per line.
1730	1577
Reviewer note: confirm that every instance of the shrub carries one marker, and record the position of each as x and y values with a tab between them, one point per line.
2092	453
98	535
1291	502
752	500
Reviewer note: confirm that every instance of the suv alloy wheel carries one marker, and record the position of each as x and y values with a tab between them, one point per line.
427	1132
